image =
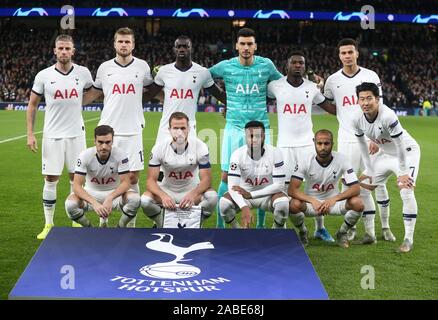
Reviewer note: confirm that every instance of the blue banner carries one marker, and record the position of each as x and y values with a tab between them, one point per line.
183	13
93	263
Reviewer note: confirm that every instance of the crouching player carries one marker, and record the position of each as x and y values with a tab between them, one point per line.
399	154
256	179
321	195
187	173
105	171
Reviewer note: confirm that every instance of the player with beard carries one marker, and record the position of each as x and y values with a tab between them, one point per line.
121	81
187	173
62	85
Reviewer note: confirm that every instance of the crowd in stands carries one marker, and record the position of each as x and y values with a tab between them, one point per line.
404	58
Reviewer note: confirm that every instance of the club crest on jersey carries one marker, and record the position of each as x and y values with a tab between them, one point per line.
180	175
102	180
256	181
181	94
322	187
123	88
66	94
246	89
294	109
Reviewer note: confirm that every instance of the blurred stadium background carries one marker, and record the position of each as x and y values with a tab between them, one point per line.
402	49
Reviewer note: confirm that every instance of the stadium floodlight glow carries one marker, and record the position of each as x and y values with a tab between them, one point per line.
280	13
341	17
419	19
390	17
179	13
150	12
231	13
105	13
26	13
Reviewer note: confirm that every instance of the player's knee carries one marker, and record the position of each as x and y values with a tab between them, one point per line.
356	204
281	210
226	206
133	201
72	209
295	206
382	193
52	178
281	205
148	205
211	199
407	194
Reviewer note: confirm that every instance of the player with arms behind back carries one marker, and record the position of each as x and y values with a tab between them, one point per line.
295	97
121	81
62	85
341	87
181	81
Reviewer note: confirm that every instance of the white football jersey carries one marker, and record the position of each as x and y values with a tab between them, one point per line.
342	89
180	170
123	92
257	174
102	175
181	93
382	130
322	182
63	93
294	111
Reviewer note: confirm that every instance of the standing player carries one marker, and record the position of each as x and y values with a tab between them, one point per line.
256	179
246	78
295	97
182	81
182	159
321	195
341	87
399	154
121	81
105	172
62	85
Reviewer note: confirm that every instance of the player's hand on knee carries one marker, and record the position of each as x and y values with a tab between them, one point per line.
168	202
188	201
405	181
246	217
316	205
101	210
32	143
108	205
373	148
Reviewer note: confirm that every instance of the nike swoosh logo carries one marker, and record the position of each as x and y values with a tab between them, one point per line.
52	82
109	74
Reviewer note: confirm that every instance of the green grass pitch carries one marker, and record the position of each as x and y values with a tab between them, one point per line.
408	276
